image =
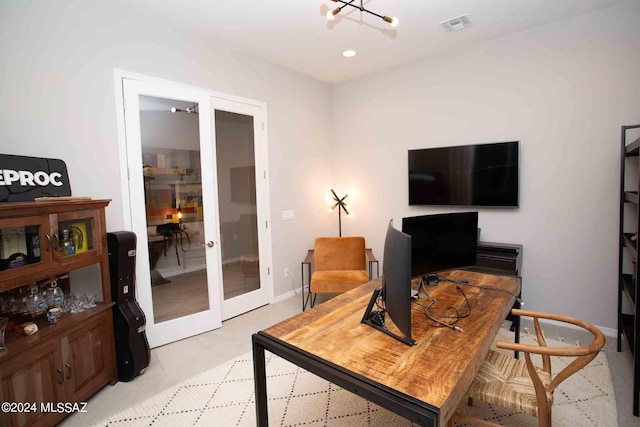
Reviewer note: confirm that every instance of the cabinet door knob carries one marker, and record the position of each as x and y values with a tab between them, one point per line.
60	376
48	242
209	244
69	372
57	245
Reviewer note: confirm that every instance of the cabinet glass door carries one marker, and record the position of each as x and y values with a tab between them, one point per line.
24	245
76	235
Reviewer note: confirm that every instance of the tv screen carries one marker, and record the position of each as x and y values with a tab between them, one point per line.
469	175
396	279
442	241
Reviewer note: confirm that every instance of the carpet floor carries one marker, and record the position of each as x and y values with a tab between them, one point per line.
223	396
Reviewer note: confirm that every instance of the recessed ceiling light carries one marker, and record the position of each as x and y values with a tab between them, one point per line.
349	53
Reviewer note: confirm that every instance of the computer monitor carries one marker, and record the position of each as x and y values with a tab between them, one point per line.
442	241
396	278
396	287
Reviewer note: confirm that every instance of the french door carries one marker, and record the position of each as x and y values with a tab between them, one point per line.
195	206
243	205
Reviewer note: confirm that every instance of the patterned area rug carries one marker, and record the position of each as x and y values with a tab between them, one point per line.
223	396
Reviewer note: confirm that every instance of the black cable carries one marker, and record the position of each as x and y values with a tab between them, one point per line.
456	316
433	279
377	316
495	288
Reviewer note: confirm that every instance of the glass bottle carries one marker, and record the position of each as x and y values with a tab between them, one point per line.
14	302
23	301
36	303
35	246
4	303
67	247
55	295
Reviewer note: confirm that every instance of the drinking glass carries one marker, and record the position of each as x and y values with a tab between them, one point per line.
3	327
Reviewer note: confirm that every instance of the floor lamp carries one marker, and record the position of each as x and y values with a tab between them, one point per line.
338	202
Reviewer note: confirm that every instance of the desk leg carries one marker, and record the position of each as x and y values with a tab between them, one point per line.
310	299
302	286
260	384
516	327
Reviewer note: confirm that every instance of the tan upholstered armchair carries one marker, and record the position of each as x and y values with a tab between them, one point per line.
339	265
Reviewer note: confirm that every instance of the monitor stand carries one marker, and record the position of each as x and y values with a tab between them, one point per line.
367	319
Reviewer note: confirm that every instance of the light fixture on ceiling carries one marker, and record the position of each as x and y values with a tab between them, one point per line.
190	110
349	53
331	15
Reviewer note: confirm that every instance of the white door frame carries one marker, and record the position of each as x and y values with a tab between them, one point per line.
262	184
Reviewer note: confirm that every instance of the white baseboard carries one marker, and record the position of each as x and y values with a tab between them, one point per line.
287	295
608	332
177	271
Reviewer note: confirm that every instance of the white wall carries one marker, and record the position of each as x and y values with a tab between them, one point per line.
57	93
563	90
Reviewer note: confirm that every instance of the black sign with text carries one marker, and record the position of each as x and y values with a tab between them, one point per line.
24	178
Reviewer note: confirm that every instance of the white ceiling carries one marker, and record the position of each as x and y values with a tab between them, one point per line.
296	34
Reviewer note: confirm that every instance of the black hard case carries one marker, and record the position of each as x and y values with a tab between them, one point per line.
132	348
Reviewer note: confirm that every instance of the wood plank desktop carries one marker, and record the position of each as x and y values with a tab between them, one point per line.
425	382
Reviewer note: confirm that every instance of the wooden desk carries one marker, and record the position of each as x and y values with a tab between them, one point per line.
424	383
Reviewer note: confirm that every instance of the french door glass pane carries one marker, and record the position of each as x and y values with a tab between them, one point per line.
174	210
237	203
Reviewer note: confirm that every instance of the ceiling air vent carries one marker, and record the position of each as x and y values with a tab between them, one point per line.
456	24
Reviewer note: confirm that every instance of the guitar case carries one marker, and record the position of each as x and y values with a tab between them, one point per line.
129	323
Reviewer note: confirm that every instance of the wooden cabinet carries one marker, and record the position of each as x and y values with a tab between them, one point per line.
628	307
35	377
71	360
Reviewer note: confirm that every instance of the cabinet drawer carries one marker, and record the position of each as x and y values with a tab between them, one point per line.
508	264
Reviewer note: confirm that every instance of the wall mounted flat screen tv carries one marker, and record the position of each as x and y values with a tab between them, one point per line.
468	175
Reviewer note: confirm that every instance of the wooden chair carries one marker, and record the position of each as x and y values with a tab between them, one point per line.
521	386
339	265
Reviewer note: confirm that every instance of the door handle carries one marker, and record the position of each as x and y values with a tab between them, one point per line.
48	242
209	244
68	366
60	376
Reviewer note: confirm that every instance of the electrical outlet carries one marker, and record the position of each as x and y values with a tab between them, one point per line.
287	273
